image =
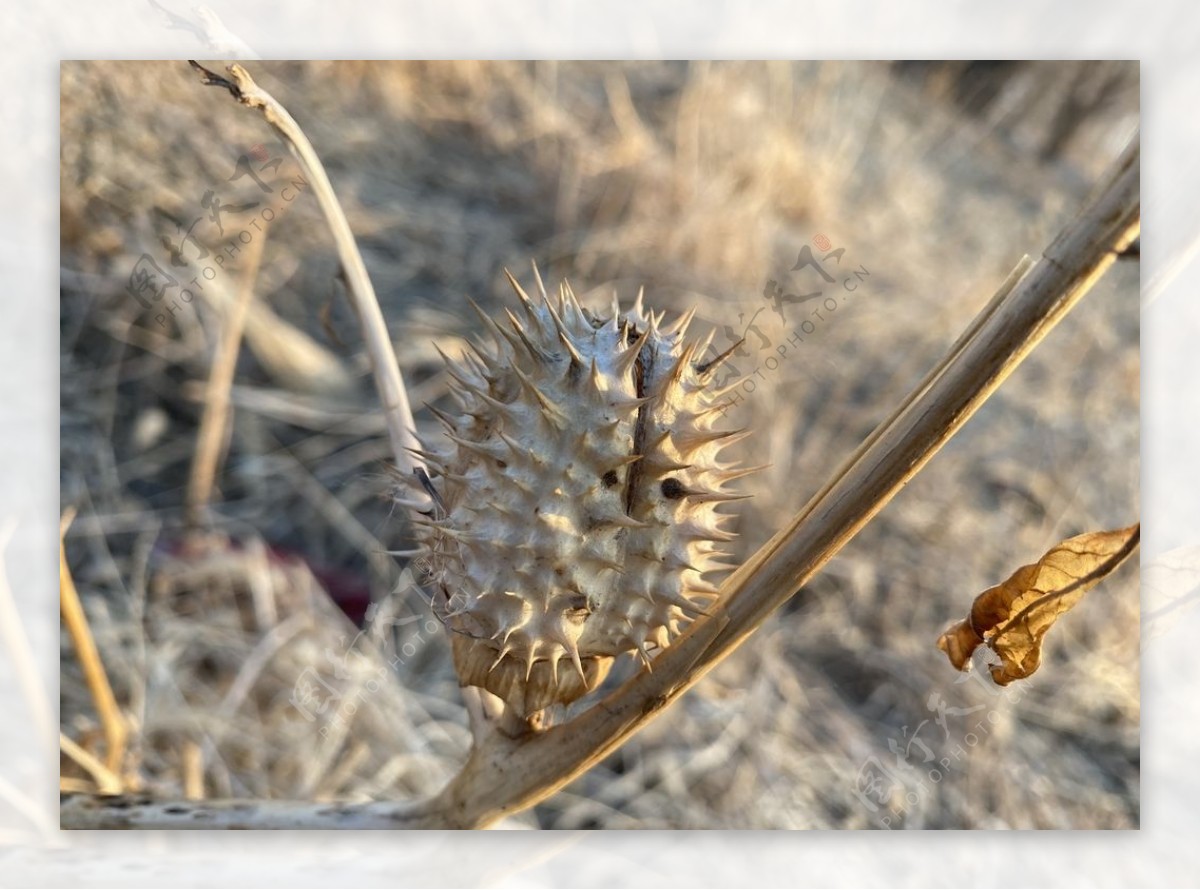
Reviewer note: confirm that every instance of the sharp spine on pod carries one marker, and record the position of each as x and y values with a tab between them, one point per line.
577	507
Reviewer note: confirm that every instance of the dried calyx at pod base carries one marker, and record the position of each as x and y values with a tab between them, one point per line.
577	504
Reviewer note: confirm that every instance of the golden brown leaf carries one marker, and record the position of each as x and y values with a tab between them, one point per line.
1013	617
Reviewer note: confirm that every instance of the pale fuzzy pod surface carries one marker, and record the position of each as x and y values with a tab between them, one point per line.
578	517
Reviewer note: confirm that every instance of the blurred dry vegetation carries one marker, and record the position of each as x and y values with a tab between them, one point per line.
700	181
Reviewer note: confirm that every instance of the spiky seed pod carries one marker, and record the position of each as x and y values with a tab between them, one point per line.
579	498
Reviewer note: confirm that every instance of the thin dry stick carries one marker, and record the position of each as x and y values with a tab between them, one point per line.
106	780
116	730
214	424
505	775
191	766
393	395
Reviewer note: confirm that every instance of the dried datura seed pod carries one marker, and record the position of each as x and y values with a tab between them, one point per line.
578	501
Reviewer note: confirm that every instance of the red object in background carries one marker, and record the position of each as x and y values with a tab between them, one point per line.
349	590
259	152
821	242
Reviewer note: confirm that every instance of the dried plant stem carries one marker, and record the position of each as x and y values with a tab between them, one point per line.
214	424
392	393
116	730
191	766
505	775
106	780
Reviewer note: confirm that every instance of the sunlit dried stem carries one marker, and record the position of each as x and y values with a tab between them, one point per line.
116	730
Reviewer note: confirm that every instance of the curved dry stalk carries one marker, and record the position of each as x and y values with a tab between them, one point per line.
396	408
107	781
505	775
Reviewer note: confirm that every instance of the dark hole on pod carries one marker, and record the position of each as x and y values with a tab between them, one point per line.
673	489
610	479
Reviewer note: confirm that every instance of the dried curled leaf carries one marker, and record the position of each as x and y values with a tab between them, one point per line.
1013	617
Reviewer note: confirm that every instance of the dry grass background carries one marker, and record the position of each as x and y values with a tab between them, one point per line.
700	181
